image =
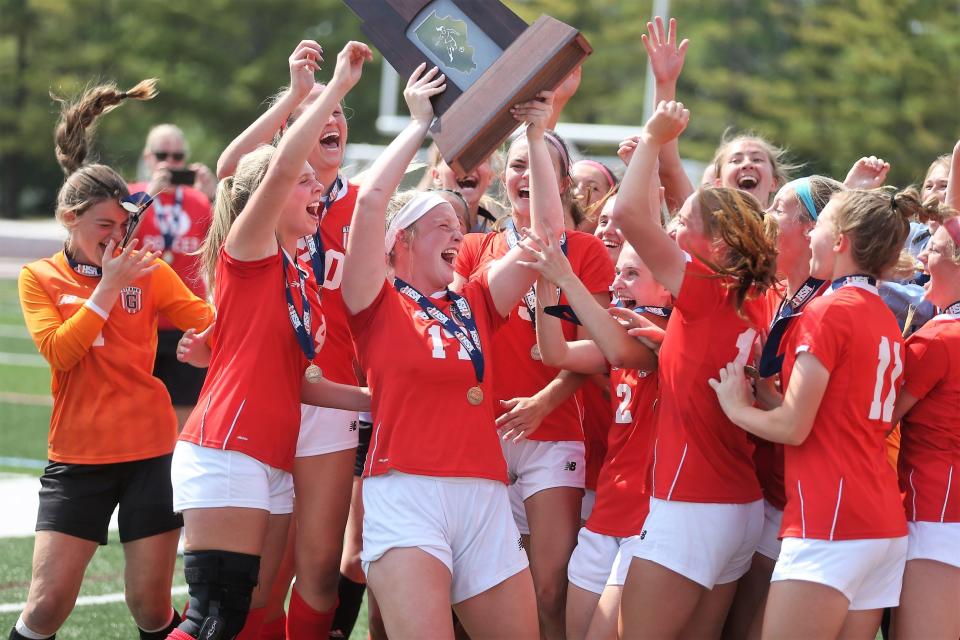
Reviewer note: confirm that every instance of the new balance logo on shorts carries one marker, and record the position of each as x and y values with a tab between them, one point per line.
353	425
643	534
570	465
520	543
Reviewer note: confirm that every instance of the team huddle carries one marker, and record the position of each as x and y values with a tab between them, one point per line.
585	408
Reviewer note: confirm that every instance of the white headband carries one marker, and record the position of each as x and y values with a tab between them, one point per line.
418	206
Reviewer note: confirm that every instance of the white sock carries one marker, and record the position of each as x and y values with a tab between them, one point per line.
26	631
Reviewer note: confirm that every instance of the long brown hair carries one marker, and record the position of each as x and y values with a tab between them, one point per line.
749	257
233	194
88	184
877	223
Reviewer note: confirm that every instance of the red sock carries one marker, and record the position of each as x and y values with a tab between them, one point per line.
176	634
251	628
276	629
304	622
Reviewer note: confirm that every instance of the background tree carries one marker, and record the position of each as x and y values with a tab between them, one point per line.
830	79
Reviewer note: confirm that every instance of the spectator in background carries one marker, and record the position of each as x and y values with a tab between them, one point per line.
176	225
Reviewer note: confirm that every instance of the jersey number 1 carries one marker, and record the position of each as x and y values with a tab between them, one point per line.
883	410
436	340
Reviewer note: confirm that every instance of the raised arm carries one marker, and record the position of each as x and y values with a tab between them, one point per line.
581	356
364	267
633	213
509	279
666	62
953	195
617	347
252	236
304	62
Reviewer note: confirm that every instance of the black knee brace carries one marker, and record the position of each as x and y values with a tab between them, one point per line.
220	584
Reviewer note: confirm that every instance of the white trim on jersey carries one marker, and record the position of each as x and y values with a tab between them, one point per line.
203	418
913	498
836	509
677	475
233	424
803	515
946	496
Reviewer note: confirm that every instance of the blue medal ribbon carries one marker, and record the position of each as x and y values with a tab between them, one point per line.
530	297
467	335
771	361
301	323
566	312
88	270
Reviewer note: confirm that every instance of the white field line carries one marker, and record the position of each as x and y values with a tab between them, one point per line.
23	463
14	331
23	360
85	601
33	399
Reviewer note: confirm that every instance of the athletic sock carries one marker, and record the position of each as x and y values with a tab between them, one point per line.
276	629
21	630
251	628
164	631
350	595
306	623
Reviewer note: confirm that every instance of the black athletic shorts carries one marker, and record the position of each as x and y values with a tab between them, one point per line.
366	429
183	381
78	499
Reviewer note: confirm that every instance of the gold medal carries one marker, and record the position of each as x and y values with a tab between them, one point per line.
751	372
313	374
474	395
535	352
168	257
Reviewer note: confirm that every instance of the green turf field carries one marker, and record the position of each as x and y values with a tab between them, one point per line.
24	419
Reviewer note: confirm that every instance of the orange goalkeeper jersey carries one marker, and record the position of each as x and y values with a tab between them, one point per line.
107	406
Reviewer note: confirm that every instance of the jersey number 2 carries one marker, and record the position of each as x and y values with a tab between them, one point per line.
883	410
625	393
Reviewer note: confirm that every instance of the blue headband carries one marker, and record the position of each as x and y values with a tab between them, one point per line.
802	188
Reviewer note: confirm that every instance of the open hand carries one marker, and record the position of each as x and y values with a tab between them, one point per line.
350	64
523	417
546	257
193	348
666	58
733	390
128	265
420	88
304	62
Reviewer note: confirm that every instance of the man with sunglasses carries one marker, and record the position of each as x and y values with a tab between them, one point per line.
176	224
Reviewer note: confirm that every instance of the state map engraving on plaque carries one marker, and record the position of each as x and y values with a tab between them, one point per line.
447	38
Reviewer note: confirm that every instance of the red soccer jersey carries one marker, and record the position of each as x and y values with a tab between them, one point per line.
768	456
623	491
250	401
839	484
930	433
515	373
176	223
597	417
419	376
699	455
336	359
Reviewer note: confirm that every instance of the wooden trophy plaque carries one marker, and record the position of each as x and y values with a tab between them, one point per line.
491	58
